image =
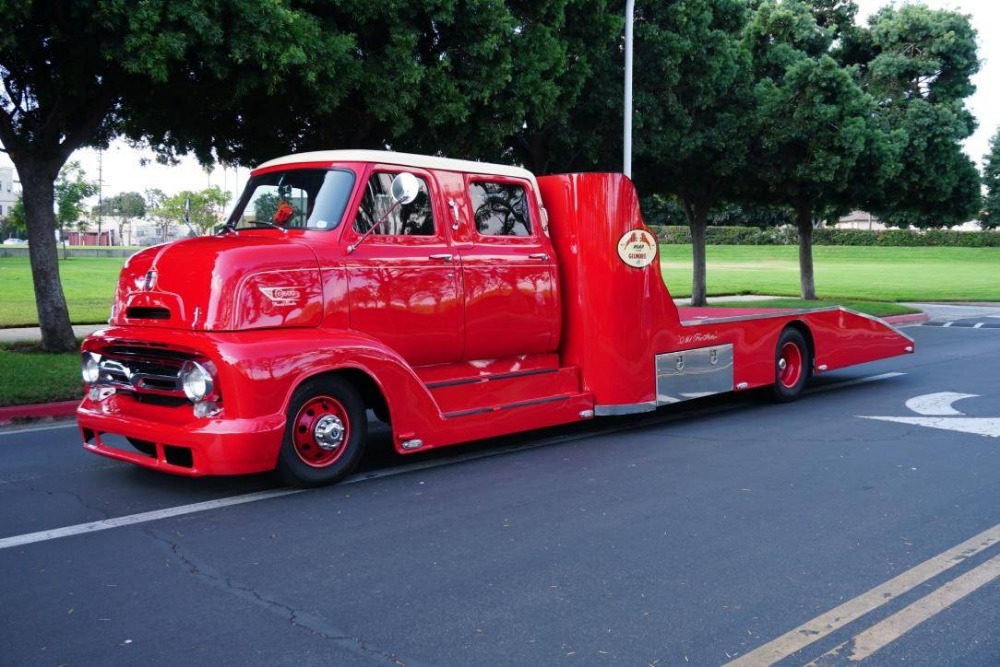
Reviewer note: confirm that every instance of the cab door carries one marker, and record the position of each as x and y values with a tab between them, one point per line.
509	271
403	278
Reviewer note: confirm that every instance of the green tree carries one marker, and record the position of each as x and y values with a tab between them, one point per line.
14	221
693	110
201	210
416	76
918	63
816	127
989	217
125	207
79	72
240	80
813	131
154	199
567	79
72	189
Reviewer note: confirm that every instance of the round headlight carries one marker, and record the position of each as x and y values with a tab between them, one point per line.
90	367
196	380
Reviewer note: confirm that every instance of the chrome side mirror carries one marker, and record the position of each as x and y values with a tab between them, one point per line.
405	188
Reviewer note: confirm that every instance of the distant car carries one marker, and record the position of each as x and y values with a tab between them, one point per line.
15	242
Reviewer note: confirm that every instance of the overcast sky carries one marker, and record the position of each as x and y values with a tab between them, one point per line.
122	168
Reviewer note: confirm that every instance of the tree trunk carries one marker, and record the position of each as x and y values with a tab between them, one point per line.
38	188
803	217
697	217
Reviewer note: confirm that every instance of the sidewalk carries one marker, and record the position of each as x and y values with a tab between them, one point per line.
34	333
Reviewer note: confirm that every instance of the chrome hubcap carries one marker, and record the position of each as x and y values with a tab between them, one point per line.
782	364
329	432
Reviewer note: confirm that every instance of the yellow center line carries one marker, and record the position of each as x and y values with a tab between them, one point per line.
825	624
897	625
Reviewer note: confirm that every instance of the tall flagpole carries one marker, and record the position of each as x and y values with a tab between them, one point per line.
629	16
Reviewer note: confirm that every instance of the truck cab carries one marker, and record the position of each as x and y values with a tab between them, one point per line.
456	300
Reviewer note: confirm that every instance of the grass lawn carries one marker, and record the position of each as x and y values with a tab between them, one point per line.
32	376
843	272
89	284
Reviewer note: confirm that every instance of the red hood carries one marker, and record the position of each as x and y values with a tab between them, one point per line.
221	283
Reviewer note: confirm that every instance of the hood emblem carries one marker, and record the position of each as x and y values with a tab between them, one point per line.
282	296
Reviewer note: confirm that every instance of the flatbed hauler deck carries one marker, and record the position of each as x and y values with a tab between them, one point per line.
457	300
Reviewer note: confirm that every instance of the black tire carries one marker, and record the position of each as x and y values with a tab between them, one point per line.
325	433
792	365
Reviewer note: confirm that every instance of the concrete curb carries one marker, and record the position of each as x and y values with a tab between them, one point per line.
12	413
912	318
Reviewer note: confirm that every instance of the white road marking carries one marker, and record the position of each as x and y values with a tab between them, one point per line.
33	429
978	325
132	519
867	643
825	624
987	426
937	405
947	324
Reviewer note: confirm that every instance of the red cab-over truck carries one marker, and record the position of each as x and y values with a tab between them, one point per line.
456	300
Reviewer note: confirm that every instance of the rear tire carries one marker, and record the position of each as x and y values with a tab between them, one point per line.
325	433
792	363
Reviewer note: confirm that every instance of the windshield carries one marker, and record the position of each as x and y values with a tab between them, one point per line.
294	199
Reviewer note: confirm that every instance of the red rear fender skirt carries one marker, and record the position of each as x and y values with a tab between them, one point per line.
845	338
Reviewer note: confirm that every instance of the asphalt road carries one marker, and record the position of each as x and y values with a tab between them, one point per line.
854	523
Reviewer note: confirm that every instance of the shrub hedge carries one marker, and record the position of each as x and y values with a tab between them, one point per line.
830	236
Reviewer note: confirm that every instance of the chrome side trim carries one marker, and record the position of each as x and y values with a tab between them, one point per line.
693	373
623	409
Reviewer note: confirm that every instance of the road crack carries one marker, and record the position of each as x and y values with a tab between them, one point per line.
310	622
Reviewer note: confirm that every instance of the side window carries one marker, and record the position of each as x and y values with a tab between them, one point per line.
501	209
413	219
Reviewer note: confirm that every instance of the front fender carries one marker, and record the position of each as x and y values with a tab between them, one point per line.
260	369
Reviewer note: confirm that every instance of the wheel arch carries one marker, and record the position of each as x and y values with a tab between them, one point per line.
367	387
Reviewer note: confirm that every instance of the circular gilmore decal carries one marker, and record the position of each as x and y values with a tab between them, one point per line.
637	248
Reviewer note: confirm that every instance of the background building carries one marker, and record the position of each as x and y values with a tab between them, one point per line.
8	193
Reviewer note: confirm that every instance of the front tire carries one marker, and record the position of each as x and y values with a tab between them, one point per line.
792	362
325	433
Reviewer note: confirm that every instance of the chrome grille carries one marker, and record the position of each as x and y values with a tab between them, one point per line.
143	370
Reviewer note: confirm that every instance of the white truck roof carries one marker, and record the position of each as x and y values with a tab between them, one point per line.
403	160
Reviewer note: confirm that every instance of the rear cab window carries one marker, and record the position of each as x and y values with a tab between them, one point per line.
500	208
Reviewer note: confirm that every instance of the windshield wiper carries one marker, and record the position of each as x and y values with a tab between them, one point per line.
232	228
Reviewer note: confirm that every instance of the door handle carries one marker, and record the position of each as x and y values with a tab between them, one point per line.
454	213
539	255
444	257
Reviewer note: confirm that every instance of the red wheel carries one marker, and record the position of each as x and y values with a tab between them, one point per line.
791	365
320	431
325	433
